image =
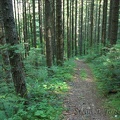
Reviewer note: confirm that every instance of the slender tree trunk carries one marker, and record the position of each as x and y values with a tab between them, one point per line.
48	33
70	35
40	24
91	23
114	20
88	30
25	28
72	28
43	19
86	15
12	39
63	21
31	27
18	17
96	27
59	36
81	29
99	17
53	30
76	51
15	14
34	25
110	20
104	22
68	31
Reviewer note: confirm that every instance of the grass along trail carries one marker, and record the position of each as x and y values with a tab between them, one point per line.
83	101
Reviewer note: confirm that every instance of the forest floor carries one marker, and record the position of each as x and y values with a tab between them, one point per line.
83	101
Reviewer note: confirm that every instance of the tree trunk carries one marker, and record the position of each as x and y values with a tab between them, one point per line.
114	20
59	35
81	28
53	30
48	33
40	24
34	25
104	21
91	23
12	40
99	18
4	52
72	28
26	44
68	31
110	20
76	51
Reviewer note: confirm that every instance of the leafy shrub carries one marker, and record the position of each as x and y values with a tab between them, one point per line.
90	57
107	71
34	58
44	92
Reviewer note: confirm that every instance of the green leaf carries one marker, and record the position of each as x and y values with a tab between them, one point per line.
2	115
40	113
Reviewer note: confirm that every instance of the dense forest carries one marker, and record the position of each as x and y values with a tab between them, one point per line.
39	42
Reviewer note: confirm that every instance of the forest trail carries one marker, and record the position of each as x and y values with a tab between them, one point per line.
83	101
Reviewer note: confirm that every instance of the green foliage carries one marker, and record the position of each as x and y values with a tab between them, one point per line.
45	92
109	70
106	69
94	53
35	58
83	74
113	104
90	57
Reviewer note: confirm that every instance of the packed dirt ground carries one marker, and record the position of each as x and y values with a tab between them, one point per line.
83	101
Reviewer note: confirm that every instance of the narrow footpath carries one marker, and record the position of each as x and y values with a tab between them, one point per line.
83	101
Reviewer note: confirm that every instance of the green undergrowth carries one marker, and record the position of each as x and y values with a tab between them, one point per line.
83	74
45	92
106	69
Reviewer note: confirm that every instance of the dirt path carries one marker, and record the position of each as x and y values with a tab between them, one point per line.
83	101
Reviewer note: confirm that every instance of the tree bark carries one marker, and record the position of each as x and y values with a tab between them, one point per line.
4	52
53	30
81	29
114	22
91	23
59	35
34	25
48	33
104	22
99	17
68	31
40	24
76	51
72	31
110	22
12	40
